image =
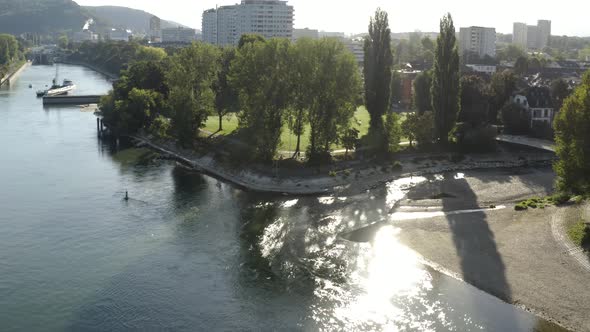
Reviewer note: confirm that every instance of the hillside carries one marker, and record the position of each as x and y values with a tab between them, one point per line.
40	16
128	18
51	16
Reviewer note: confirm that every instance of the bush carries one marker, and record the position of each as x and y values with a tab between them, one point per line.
516	119
560	198
476	139
521	207
580	234
332	173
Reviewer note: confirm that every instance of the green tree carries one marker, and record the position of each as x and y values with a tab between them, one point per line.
422	99
336	86
521	66
445	81
63	41
572	133
474	101
377	71
393	130
226	98
350	140
145	53
303	71
190	78
409	127
261	75
250	39
502	86
516	119
559	92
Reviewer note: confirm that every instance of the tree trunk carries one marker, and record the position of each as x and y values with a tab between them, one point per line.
220	122
298	147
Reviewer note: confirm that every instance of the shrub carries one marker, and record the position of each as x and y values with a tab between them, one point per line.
580	234
560	198
521	207
332	173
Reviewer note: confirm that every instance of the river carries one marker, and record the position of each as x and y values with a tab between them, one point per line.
189	252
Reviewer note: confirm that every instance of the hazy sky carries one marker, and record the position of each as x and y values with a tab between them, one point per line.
569	16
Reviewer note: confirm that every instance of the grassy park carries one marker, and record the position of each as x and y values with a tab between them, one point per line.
288	140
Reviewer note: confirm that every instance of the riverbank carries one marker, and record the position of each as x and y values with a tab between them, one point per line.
14	75
346	178
97	69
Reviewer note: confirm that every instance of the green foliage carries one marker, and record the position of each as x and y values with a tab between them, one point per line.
350	139
572	133
475	97
422	97
579	233
559	198
190	77
334	87
63	41
502	86
521	66
393	131
445	81
476	138
377	72
516	119
559	92
161	127
261	75
510	53
226	98
250	39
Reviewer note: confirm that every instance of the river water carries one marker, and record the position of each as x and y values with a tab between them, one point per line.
189	252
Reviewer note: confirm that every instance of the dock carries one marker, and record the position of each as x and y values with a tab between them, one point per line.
71	100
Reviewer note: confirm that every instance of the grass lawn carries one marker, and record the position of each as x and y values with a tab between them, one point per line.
288	140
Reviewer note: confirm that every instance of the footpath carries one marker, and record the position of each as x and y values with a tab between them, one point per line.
349	179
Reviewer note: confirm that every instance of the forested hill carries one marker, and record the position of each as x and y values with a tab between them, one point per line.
128	18
40	16
51	16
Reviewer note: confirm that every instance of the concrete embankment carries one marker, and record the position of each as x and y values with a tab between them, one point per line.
97	69
359	179
11	77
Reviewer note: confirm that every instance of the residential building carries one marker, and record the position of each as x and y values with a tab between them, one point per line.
209	26
478	40
356	47
538	103
85	35
532	33
532	37
305	33
484	69
543	33
119	34
155	29
268	18
328	34
519	35
178	35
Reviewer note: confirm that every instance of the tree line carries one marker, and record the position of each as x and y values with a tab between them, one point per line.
11	52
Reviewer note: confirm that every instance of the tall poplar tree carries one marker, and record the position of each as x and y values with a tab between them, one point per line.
445	81
377	71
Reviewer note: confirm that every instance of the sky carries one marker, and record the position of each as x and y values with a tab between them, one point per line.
569	17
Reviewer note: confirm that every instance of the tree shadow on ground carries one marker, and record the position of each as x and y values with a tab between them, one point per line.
481	263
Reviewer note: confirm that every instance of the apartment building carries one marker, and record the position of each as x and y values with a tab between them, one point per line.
478	40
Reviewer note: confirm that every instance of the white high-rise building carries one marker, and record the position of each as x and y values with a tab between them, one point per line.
534	37
219	25
519	35
268	18
478	40
209	26
543	33
532	33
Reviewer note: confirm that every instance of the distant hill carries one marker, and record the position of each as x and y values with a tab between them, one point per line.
40	16
50	16
128	18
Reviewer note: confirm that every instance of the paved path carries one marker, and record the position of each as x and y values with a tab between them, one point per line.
528	141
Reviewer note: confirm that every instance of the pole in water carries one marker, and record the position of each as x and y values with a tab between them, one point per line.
126	195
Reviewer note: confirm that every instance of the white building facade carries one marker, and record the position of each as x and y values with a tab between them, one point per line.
268	18
532	37
478	40
519	35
